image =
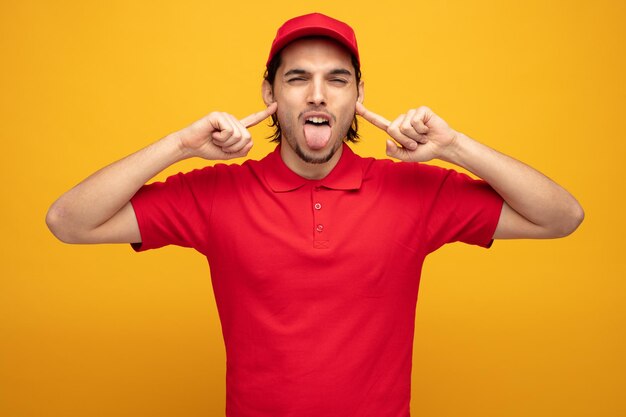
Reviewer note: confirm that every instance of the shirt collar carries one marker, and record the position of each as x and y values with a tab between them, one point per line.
346	175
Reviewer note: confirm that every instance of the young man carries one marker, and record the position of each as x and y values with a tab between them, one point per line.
315	252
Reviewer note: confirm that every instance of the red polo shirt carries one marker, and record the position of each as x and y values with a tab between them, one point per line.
316	281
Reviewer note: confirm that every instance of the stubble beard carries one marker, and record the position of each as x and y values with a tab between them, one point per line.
314	159
287	133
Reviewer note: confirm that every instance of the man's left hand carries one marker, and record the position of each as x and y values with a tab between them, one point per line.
422	134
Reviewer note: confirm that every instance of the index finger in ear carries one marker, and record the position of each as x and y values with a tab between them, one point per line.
375	119
258	117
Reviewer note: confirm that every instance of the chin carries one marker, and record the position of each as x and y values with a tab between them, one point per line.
317	157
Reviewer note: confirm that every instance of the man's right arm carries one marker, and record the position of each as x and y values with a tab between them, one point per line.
98	210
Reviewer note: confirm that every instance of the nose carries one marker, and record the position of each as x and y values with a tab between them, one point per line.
317	92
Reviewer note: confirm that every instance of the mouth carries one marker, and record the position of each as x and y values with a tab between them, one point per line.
317	119
317	129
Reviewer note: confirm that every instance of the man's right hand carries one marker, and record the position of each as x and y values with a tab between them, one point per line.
220	136
98	210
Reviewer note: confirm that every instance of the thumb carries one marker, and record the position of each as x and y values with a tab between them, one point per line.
393	150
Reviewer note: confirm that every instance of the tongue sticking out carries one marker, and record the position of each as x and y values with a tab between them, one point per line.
317	136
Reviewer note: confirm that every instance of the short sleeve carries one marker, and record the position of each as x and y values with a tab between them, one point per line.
175	212
462	209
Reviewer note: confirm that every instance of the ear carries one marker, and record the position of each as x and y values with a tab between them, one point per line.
268	93
361	92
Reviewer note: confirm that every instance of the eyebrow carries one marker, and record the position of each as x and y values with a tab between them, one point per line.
341	71
299	71
296	71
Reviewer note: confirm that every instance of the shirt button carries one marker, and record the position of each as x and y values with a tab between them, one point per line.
317	206
320	228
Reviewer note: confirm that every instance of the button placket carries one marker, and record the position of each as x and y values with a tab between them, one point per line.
320	229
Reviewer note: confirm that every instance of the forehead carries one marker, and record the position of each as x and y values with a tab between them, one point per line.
315	54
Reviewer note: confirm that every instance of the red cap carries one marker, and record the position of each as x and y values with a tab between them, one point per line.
314	24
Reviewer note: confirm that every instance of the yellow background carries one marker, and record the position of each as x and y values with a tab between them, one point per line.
528	328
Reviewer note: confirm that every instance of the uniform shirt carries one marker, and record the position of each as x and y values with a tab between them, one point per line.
316	281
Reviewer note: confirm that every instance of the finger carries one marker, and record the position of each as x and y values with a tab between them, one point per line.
240	137
422	115
240	153
236	134
218	122
245	137
240	133
394	150
375	119
395	132
413	127
406	128
258	117
224	129
239	147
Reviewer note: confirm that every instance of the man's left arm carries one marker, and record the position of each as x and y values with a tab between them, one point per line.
534	205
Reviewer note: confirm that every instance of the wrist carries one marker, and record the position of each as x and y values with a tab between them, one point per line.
454	151
175	141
